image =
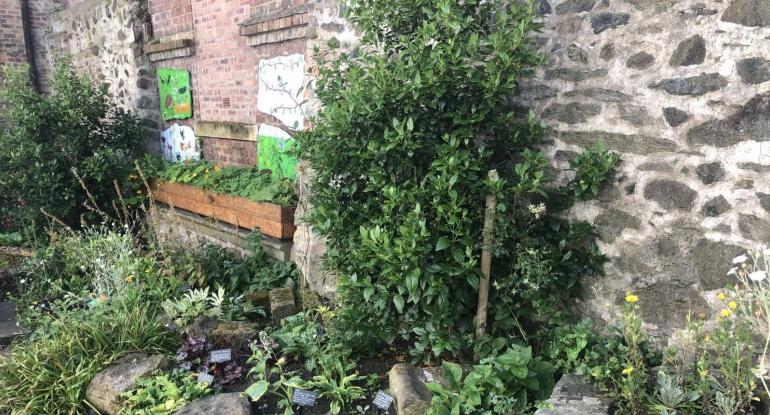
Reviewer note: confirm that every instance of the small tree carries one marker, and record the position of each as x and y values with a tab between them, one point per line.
75	129
411	124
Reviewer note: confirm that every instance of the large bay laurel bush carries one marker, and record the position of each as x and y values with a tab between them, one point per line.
77	127
412	123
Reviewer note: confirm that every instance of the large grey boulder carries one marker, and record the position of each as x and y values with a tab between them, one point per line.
106	387
408	388
573	396
222	404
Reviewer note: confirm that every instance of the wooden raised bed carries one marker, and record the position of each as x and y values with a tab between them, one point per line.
271	219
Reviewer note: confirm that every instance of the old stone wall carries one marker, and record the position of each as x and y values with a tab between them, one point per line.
101	38
680	89
12	49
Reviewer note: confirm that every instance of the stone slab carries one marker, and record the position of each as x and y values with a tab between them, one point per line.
222	404
408	388
573	396
106	387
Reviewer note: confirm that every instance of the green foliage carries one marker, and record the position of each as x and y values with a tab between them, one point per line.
163	393
11	239
592	168
200	302
409	128
506	384
49	373
75	129
249	183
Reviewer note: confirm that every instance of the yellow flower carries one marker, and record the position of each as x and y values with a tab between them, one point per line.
630	298
721	296
726	313
733	305
627	371
129	279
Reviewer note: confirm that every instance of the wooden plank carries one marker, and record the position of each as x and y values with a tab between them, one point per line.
268	211
194	202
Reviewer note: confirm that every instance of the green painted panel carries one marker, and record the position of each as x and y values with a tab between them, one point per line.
175	94
273	156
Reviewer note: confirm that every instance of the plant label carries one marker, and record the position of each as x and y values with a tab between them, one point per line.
220	356
205	378
428	376
383	401
303	397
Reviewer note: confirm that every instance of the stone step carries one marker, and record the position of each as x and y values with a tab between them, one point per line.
9	328
573	396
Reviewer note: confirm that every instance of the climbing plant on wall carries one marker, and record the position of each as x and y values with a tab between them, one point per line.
411	124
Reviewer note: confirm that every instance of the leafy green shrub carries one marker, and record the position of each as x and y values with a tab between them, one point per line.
163	393
510	383
249	183
49	374
411	125
76	128
592	168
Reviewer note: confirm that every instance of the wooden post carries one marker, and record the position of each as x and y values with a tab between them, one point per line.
486	262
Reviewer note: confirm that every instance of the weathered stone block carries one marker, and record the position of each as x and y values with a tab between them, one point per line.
576	54
635	115
754	71
282	303
754	228
675	117
607	52
106	387
411	395
716	207
712	260
606	21
574	396
709	173
574	75
751	122
222	404
752	13
575	6
611	223
572	113
599	94
635	143
691	51
535	92
235	334
641	60
693	85
670	194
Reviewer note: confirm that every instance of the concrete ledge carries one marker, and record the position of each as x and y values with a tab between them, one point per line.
187	228
158	46
171	54
228	130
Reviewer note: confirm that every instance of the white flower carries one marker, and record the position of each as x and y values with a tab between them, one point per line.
758	276
732	271
740	259
22	281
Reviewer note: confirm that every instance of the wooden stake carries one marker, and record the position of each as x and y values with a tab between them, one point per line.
486	262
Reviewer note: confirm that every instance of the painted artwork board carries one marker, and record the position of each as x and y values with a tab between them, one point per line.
274	147
175	94
179	144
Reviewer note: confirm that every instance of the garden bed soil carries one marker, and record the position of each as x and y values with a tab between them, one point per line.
271	219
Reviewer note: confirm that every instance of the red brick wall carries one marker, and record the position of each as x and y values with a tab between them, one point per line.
224	68
11	33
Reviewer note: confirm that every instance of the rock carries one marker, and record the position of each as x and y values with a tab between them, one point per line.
700	9
716	207
675	117
571	113
606	20
607	52
637	144
411	395
670	194
754	71
752	13
570	25
764	200
759	168
576	54
282	303
750	122
641	60
221	404
574	75
574	396
234	334
691	51
544	8
636	115
709	173
611	223
202	326
693	85
667	303
9	327
754	228
655	166
744	184
106	387
575	6
712	260
259	298
599	94
565	155
535	92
